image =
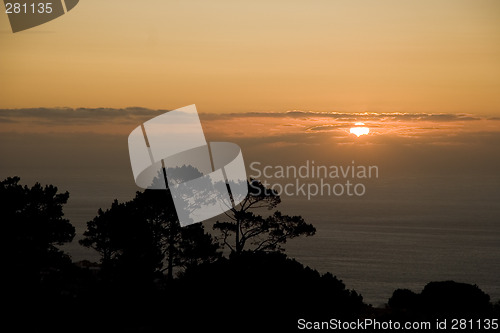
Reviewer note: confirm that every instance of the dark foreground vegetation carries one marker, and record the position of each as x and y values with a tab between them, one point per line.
155	276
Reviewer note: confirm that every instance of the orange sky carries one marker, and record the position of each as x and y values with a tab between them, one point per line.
240	56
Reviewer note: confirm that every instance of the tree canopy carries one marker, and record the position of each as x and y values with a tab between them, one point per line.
442	299
144	235
246	230
34	223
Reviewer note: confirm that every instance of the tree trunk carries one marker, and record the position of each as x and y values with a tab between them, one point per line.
170	270
238	245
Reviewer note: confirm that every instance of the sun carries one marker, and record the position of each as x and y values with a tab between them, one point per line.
359	130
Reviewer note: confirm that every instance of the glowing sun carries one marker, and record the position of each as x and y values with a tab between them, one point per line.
359	130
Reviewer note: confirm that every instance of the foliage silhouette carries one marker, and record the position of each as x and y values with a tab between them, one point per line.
450	297
404	299
142	238
35	270
264	290
441	300
246	229
34	221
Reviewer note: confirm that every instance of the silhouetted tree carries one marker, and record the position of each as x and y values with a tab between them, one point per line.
144	235
404	299
454	298
442	299
248	231
33	224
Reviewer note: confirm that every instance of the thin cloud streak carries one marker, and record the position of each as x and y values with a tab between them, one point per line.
293	127
125	114
78	115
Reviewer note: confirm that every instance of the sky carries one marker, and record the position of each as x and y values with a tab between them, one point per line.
259	56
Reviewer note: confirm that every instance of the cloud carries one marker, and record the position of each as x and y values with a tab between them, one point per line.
75	138
78	116
348	116
125	115
335	125
73	120
277	128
